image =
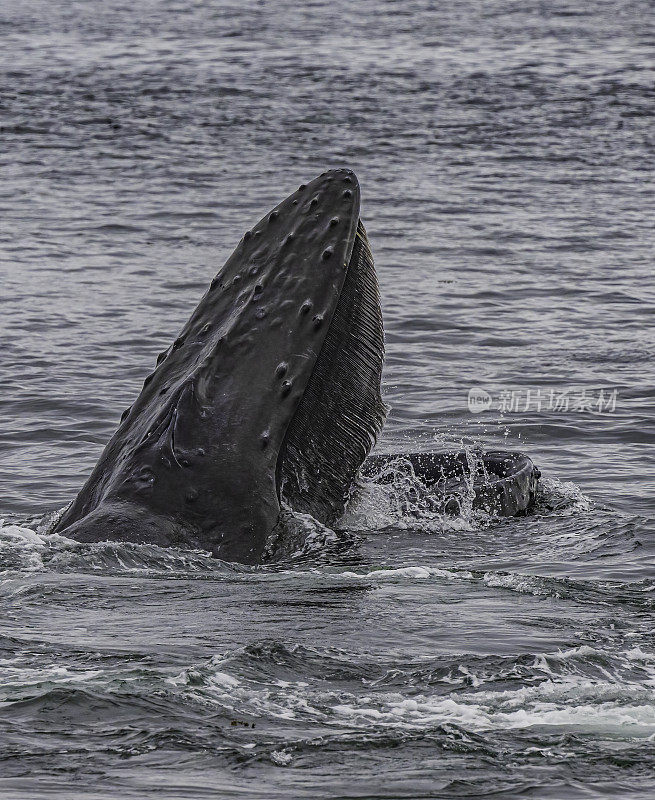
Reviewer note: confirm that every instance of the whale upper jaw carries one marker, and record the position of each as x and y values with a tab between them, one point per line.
269	396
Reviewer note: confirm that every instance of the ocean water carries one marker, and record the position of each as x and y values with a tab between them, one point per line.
506	153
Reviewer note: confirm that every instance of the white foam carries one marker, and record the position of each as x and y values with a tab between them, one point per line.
280	757
584	650
566	497
223	680
16	680
623	707
413	572
524	584
637	654
19	535
570	703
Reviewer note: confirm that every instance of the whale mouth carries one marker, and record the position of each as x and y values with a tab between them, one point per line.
341	412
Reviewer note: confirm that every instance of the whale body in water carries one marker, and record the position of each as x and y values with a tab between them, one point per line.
269	399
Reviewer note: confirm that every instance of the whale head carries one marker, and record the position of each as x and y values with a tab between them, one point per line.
268	399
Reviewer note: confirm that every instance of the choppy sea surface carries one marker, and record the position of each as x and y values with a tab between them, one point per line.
506	154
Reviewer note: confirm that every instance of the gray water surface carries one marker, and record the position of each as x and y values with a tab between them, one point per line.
506	153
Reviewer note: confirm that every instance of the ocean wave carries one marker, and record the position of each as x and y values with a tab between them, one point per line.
24	549
608	704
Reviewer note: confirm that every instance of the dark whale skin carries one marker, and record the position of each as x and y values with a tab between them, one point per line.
193	462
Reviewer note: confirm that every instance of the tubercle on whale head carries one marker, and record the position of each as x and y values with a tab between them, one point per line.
234	386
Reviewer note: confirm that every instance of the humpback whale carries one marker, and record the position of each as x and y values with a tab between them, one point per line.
270	395
269	399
